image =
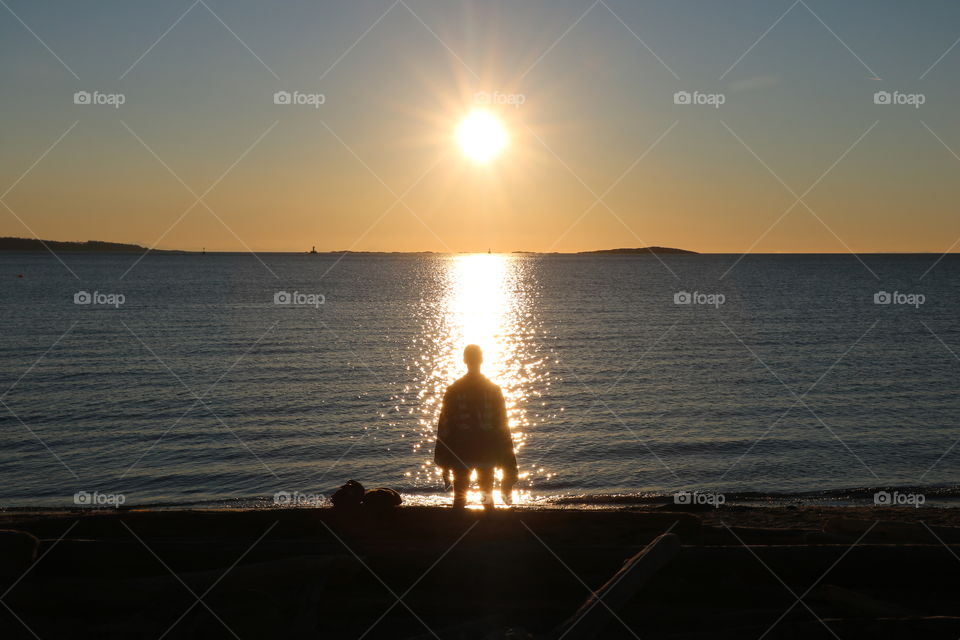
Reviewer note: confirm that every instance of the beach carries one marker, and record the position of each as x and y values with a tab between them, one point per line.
428	572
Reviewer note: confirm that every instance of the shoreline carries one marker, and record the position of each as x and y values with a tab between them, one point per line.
898	497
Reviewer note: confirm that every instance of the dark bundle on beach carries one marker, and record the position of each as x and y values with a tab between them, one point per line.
353	495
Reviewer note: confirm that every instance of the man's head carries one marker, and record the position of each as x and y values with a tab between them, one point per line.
473	358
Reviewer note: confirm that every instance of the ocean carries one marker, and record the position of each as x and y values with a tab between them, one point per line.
247	381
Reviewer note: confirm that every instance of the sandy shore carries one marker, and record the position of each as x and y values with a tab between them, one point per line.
412	572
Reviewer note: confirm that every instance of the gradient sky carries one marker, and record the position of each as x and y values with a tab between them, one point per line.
596	100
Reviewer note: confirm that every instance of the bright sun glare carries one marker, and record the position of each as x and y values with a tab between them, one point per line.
481	136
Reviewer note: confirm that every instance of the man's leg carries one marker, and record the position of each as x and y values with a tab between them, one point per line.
485	476
461	484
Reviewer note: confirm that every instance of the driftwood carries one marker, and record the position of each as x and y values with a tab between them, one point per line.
18	550
593	614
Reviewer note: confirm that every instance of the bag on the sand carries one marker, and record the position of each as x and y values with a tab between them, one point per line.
349	495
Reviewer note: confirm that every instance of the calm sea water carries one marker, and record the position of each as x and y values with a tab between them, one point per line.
200	388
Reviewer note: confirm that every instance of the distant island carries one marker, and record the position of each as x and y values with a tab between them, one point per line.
98	246
90	246
638	250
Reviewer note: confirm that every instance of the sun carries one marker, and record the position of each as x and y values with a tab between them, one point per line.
481	136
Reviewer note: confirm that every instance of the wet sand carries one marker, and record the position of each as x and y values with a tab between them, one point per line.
412	572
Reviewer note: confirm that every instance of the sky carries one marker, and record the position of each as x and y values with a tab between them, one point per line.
784	149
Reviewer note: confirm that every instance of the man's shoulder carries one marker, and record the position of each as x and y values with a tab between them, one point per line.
473	382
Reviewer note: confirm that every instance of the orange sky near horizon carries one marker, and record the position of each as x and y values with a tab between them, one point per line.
799	157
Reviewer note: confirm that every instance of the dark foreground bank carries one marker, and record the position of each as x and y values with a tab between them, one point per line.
423	572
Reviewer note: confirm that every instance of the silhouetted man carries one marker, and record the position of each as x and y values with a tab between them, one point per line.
473	434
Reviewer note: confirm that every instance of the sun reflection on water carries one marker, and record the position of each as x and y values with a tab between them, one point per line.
485	299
